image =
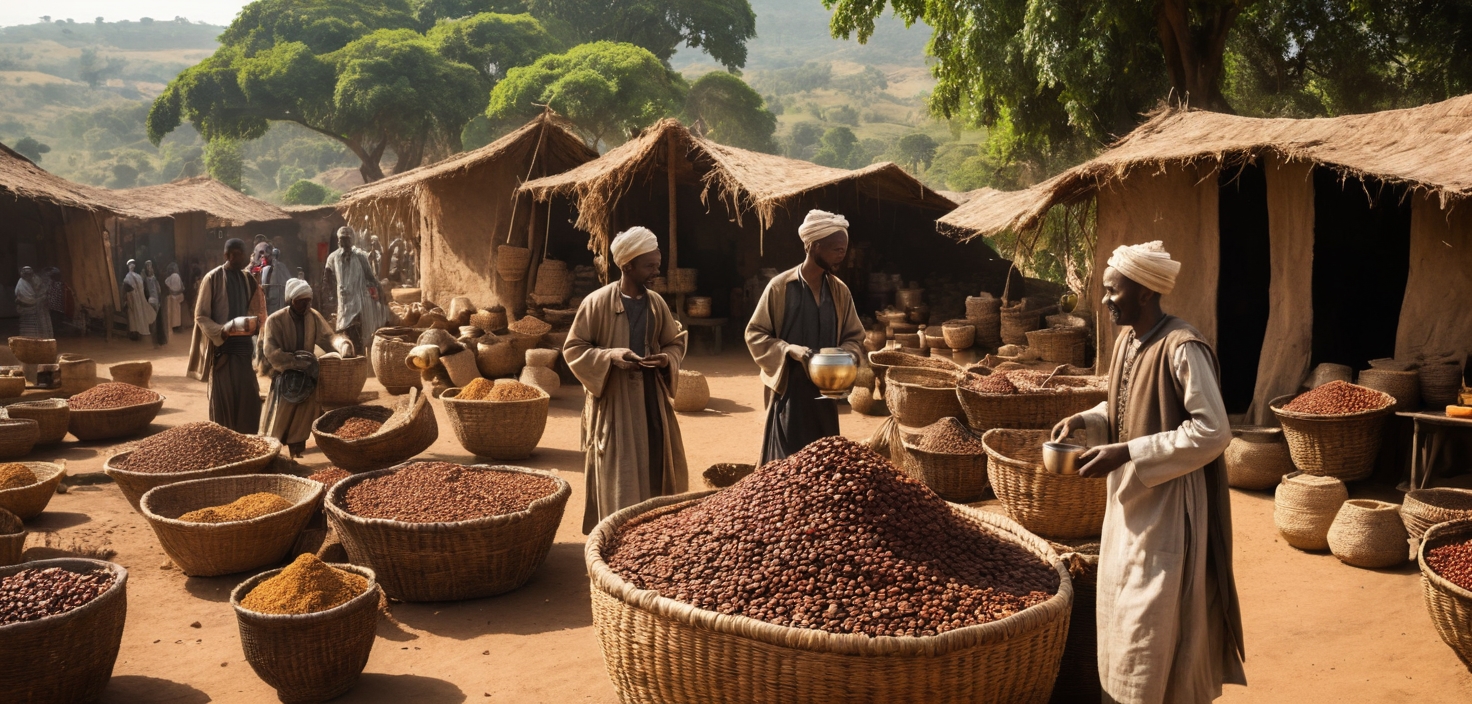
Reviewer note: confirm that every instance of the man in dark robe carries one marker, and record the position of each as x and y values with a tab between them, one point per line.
802	311
221	349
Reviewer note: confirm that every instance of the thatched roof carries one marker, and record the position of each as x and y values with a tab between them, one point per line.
746	181
1427	148
200	194
26	180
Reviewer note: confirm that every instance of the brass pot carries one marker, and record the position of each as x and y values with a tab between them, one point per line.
833	371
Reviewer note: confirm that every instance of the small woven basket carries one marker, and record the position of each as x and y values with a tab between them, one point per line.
1257	458
12	386
12	539
139	373
864	401
309	657
390	347
495	357
1368	533
1343	447
213	549
454	560
512	262
1424	508
491	321
1017	322
1075	394
113	423
958	478
1060	345
542	358
918	397
1052	505
698	306
1403	386
391	445
32	350
683	280
340	380
500	430
1449	605
693	392
27	502
1440	384
1304	508
135	484
17	436
959	336
67	657
51	416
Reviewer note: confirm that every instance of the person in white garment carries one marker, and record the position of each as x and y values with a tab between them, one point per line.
32	303
141	314
174	305
359	314
1169	625
154	291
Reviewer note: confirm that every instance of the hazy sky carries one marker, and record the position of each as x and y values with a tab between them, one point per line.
212	11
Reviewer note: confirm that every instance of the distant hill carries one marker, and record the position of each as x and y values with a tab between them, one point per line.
124	35
794	32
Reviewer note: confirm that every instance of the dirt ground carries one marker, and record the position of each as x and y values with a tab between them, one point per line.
1316	630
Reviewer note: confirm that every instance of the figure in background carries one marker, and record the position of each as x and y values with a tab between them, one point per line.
140	313
174	305
375	256
359	314
32	303
60	298
288	346
396	261
626	348
260	250
273	281
801	311
154	292
300	274
221	349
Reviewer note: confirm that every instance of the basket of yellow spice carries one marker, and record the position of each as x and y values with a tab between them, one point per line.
502	420
26	487
307	629
224	525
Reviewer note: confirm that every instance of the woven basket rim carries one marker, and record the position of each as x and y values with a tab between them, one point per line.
137	406
1419	496
45	404
1435	535
1392	372
244	588
335	496
274	447
452	395
52	468
357	358
347	413
1277	403
149	515
1061	391
605	579
120	580
939	374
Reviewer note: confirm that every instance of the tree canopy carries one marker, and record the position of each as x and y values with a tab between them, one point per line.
732	112
720	27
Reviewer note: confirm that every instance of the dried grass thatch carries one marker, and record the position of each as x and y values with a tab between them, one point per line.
30	182
201	194
1426	148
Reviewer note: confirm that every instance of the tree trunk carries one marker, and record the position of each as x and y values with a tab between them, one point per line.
1194	52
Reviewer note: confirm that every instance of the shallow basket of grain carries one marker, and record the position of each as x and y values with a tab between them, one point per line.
1257	457
34	350
310	657
1424	508
135	484
884	360
1304	508
918	397
27	502
661	650
340	380
450	561
17	436
500	430
67	657
959	477
1340	446
51	415
12	538
390	347
1448	603
213	549
1368	533
408	429
1053	505
1070	395
89	424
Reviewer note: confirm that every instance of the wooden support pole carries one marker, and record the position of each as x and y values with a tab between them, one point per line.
671	142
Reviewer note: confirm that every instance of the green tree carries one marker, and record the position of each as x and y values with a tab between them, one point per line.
804	136
733	112
916	150
306	192
606	89
838	148
223	159
720	27
427	12
493	43
31	149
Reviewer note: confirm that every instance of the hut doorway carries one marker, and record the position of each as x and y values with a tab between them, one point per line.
1242	301
1362	251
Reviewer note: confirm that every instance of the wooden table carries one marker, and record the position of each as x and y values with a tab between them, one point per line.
1425	446
716	325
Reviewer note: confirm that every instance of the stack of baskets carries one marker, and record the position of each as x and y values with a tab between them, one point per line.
390	347
1257	458
1017	321
340	380
67	657
1058	506
1062	345
917	397
985	314
27	502
1403	386
135	484
1368	533
961	478
1343	446
1304	508
500	430
1449	604
213	549
408	429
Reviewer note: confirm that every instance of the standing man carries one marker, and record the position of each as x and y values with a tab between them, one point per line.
155	299
174	306
802	310
221	348
358	312
273	280
288	343
32	303
626	348
1169	627
140	313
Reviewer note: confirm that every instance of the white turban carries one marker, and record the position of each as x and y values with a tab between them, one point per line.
819	224
631	243
297	288
1148	265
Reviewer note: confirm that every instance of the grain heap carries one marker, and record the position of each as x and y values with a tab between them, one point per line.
833	538
329	476
357	428
112	394
530	326
305	586
949	438
1453	562
1337	398
503	391
14	475
1028	382
192	447
34	594
435	492
250	506
477	389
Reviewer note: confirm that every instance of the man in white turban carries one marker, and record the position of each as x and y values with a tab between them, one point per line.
803	309
626	348
288	345
141	313
1169	626
359	294
31	305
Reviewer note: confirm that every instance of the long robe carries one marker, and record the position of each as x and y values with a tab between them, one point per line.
174	303
1169	627
161	329
355	305
225	363
140	312
33	304
615	431
288	422
789	315
273	280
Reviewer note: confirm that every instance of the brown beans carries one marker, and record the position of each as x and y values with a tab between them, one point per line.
192	447
14	475
949	437
833	538
357	428
112	394
1337	398
432	492
34	594
329	476
1453	562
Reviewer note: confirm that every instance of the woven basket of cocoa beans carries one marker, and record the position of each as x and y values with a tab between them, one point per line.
191	451
1054	505
1026	399
950	459
60	631
367	437
1445	558
28	500
741	618
112	410
436	531
220	525
1334	430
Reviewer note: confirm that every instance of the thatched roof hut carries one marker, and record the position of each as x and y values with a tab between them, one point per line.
1339	239
225	206
460	210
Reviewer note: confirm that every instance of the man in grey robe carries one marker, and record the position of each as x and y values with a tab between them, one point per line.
32	303
221	349
359	314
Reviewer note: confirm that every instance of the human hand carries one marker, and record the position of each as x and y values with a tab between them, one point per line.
626	360
799	353
1100	461
1067	427
656	361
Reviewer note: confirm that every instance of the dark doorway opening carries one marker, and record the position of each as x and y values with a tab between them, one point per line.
1242	300
1362	253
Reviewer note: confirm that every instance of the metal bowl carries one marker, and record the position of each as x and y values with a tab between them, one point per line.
1061	457
833	371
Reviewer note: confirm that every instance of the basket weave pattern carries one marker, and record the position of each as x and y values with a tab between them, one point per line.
12	538
1304	508
1029	411
500	430
212	549
954	477
1368	533
919	397
386	447
1450	606
1403	386
1052	505
1333	446
390	347
135	484
113	423
33	350
17	436
51	415
340	381
693	393
27	502
1257	458
1424	508
67	657
1060	345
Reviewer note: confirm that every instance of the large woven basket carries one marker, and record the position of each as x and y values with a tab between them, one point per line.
340	380
1440	384
1304	508
388	446
512	262
1078	674
137	373
135	484
1424	508
496	357
659	650
1257	458
693	393
27	502
1017	321
67	657
959	335
1403	386
958	478
1333	446
500	430
1450	605
984	412
12	386
390	347
51	416
884	360
113	423
1053	505
1064	345
450	561
12	539
213	549
17	436
32	350
490	320
309	657
918	397
1368	533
